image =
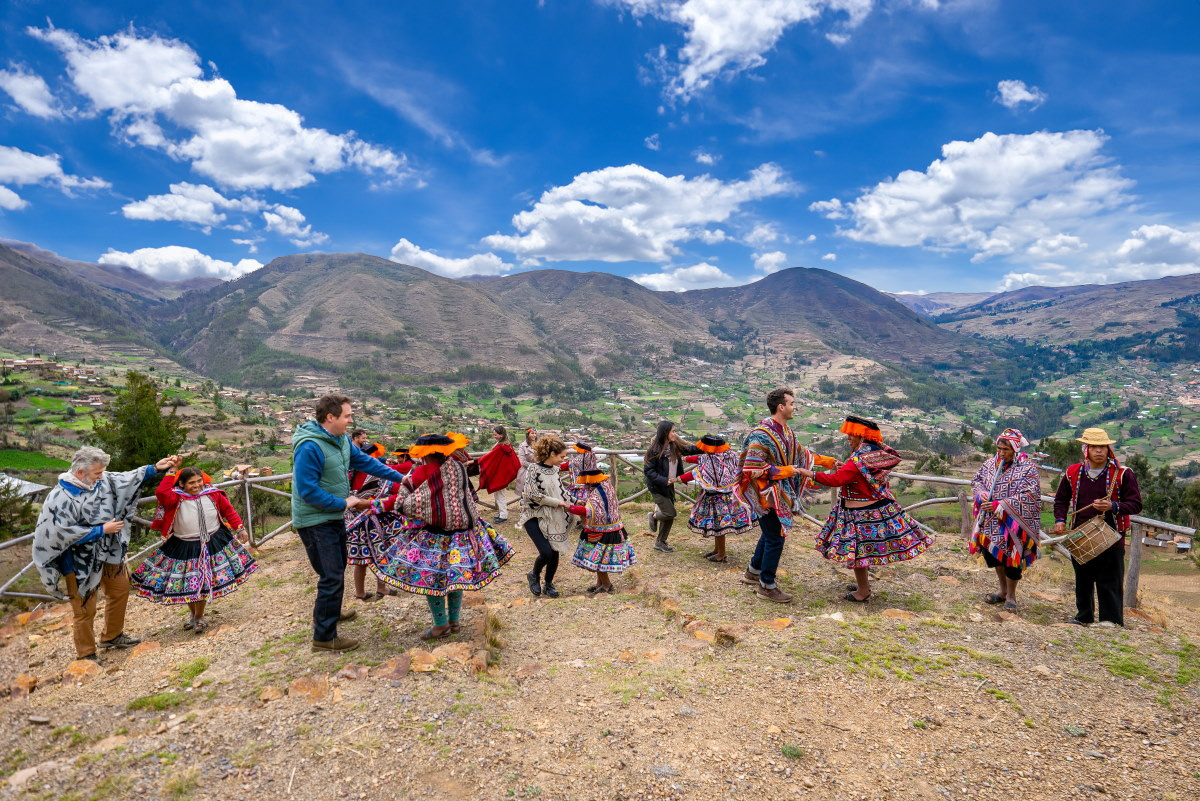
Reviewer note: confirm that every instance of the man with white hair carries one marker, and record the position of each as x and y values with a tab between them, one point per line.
82	535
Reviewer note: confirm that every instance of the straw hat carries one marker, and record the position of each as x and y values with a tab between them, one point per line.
1095	436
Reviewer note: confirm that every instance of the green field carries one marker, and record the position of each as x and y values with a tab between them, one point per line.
24	460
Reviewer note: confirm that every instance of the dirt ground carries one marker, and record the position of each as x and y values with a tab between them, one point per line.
681	685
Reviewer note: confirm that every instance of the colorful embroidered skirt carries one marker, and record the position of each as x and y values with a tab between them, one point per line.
717	514
876	535
183	571
368	535
429	561
611	554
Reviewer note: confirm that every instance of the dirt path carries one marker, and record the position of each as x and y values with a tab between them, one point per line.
676	687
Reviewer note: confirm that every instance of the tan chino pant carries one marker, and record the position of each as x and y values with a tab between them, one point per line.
114	580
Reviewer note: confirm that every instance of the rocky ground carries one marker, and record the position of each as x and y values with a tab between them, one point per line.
682	685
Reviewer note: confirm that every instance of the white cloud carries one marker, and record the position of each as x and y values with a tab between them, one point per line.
1056	246
679	279
631	213
771	262
829	257
810	238
190	203
762	234
1012	94
1150	251
155	91
702	156
723	37
20	168
652	142
249	244
290	222
29	91
997	195
406	252
175	263
10	200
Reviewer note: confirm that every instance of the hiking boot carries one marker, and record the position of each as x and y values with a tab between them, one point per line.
336	644
750	578
535	583
122	640
549	590
349	614
650	522
662	546
1075	621
774	594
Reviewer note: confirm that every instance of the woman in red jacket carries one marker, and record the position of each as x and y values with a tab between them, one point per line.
202	557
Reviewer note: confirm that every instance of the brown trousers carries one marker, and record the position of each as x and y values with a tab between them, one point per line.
114	580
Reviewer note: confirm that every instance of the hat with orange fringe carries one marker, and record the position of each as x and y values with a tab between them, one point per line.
591	477
711	443
582	447
862	427
444	444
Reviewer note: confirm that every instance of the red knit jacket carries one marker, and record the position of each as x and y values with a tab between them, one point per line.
168	504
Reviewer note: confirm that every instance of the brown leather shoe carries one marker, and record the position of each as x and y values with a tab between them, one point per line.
336	644
774	594
349	614
750	578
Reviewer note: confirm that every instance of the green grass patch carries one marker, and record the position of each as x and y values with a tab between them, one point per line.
11	459
791	751
158	702
190	670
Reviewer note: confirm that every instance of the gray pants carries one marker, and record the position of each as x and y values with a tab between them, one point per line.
664	515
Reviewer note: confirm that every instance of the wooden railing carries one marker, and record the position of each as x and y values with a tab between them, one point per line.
962	497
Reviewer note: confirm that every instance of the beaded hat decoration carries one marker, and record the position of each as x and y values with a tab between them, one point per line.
711	443
862	427
444	444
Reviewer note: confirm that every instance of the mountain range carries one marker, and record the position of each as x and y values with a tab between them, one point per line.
348	315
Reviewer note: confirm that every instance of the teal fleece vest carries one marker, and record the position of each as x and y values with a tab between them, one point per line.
335	478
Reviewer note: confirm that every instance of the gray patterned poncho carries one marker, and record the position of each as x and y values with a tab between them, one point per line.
71	512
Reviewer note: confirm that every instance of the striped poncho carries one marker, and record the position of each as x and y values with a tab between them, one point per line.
772	448
1007	509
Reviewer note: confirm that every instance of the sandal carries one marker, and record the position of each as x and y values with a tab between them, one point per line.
850	597
201	626
455	628
592	590
191	624
710	554
428	634
712	557
601	588
994	598
1010	606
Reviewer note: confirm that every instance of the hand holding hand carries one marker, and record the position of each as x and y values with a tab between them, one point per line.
166	463
113	526
804	471
355	503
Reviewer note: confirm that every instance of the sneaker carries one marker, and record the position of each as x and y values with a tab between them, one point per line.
336	644
774	594
549	591
650	521
1074	621
349	614
122	640
535	583
90	658
662	546
750	578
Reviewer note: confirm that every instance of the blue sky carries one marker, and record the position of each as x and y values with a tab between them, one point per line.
914	145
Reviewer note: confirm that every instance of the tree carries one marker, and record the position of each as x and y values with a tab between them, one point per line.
135	431
16	513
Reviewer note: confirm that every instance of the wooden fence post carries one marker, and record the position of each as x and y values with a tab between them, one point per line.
964	509
1135	566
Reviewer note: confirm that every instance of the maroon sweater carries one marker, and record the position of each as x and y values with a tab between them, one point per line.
1128	501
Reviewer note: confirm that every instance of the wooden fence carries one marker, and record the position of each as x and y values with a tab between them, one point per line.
619	461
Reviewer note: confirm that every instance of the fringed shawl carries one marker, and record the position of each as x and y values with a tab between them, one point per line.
875	461
1008	521
718	472
603	510
446	500
498	467
66	518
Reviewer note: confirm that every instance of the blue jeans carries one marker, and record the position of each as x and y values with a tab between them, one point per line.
325	544
769	549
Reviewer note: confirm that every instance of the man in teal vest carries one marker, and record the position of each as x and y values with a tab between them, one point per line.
322	459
